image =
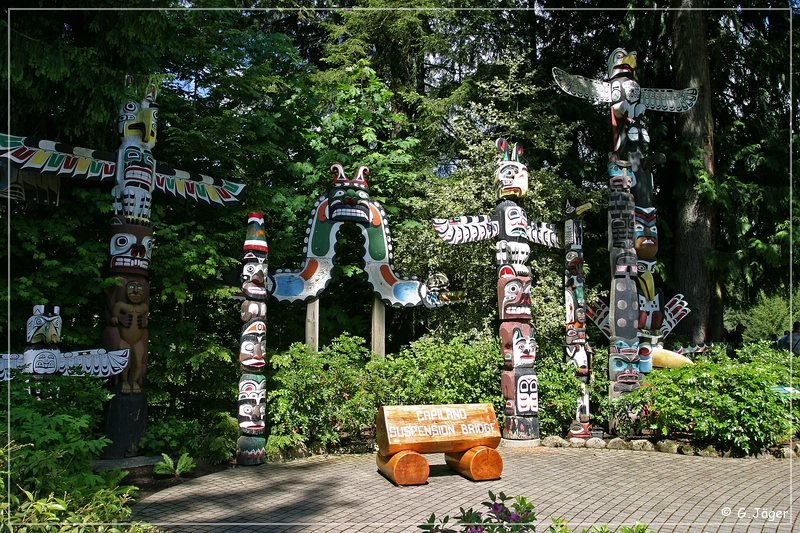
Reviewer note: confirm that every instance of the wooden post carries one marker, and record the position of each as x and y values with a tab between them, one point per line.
379	328
312	325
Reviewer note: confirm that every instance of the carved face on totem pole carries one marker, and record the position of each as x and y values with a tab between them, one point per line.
139	120
254	270
253	345
514	298
252	393
575	313
620	61
348	199
624	362
44	325
578	356
645	233
138	126
517	344
136	291
131	248
513	221
138	169
511	174
521	391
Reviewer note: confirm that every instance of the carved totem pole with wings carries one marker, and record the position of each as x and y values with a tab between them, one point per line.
135	175
636	320
513	233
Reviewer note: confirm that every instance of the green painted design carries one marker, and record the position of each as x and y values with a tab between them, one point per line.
201	190
95	167
376	243
10	141
321	238
234	188
55	161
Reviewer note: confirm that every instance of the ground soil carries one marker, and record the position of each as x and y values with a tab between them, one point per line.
149	483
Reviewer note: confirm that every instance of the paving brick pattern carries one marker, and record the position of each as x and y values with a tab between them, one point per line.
615	487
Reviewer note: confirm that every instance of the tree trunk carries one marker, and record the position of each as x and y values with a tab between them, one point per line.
694	232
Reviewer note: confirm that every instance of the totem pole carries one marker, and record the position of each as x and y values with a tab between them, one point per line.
635	321
514	232
252	346
576	345
43	358
135	175
348	201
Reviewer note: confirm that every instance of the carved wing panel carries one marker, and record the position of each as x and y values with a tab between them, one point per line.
98	363
598	312
197	187
544	234
48	157
676	101
63	160
594	90
466	229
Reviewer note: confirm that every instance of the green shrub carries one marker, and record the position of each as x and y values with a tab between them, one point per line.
558	393
461	369
769	316
212	442
319	396
54	423
108	507
725	403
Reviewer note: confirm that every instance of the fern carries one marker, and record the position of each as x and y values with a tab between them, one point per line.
168	467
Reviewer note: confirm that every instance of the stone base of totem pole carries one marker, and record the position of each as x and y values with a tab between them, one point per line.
521	427
126	420
408	467
250	450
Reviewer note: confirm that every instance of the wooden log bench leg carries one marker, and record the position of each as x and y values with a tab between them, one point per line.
480	463
404	468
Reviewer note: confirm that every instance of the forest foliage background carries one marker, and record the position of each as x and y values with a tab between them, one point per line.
272	97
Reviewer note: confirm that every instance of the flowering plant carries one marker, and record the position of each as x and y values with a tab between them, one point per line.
519	516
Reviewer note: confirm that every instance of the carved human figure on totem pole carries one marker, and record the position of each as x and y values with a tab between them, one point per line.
348	201
135	175
513	232
634	318
128	309
252	344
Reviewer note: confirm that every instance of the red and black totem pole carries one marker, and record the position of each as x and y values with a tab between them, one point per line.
513	233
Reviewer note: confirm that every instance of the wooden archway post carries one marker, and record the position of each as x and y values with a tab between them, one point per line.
312	325
378	328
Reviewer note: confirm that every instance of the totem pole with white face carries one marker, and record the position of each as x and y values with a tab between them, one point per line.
252	345
635	320
514	233
128	302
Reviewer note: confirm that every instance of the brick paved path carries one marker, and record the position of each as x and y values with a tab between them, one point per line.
615	487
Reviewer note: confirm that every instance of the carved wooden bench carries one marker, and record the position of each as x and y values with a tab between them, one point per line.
466	433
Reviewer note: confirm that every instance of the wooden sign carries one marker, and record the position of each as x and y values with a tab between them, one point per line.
436	428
